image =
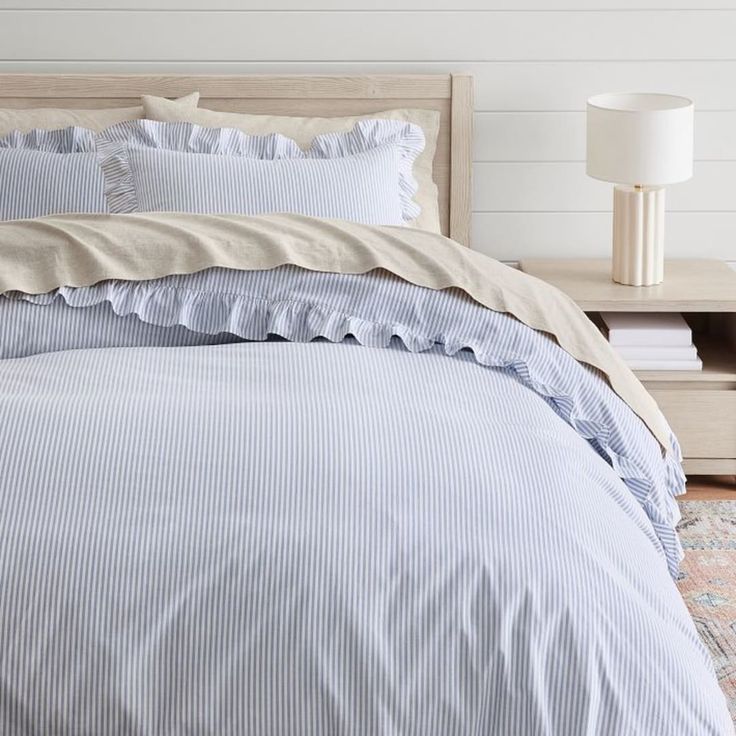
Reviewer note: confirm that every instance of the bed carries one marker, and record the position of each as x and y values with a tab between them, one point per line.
281	474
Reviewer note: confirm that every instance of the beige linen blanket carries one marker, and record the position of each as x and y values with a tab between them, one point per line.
39	255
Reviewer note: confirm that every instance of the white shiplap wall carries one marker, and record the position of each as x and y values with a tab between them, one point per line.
535	62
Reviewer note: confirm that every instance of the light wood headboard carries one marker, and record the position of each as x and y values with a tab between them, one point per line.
327	96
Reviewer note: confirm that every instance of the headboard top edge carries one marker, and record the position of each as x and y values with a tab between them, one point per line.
326	95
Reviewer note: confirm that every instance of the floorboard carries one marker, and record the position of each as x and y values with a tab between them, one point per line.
711	488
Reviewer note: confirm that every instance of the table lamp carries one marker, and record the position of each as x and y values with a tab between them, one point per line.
640	142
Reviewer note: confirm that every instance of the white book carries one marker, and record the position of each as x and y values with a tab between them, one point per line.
640	328
665	365
657	352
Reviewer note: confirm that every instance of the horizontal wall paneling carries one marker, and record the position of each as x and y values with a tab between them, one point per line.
535	62
365	36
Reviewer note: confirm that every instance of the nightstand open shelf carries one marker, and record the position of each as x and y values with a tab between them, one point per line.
699	405
719	366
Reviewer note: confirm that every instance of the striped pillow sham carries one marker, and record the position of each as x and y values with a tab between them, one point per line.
305	129
45	172
363	175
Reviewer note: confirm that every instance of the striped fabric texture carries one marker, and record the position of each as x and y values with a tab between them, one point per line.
283	538
46	172
364	175
301	305
26	329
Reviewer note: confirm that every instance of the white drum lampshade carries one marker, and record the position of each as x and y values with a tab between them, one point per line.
640	142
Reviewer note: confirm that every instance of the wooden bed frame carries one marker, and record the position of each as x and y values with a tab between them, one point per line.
325	96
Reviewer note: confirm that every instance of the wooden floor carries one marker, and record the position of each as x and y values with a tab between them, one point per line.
711	488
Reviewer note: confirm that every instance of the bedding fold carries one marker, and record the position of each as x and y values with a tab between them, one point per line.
375	308
37	256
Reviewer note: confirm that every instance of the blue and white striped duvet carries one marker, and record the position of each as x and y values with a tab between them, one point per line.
332	537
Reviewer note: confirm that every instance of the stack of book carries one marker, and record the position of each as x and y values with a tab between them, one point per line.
653	342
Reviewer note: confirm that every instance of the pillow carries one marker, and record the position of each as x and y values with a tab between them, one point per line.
303	130
26	120
364	175
48	172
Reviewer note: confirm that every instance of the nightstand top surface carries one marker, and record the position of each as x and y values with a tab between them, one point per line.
688	286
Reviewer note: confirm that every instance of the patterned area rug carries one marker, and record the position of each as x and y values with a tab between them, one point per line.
708	582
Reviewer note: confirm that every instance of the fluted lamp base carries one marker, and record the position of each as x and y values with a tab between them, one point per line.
638	235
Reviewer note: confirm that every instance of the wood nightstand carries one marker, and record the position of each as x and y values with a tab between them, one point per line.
699	405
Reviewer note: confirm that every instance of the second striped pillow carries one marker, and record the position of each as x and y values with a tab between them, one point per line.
364	175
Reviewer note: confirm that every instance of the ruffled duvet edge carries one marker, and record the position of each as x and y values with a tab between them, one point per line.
254	318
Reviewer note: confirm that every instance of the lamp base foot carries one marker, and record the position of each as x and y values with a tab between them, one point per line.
638	235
